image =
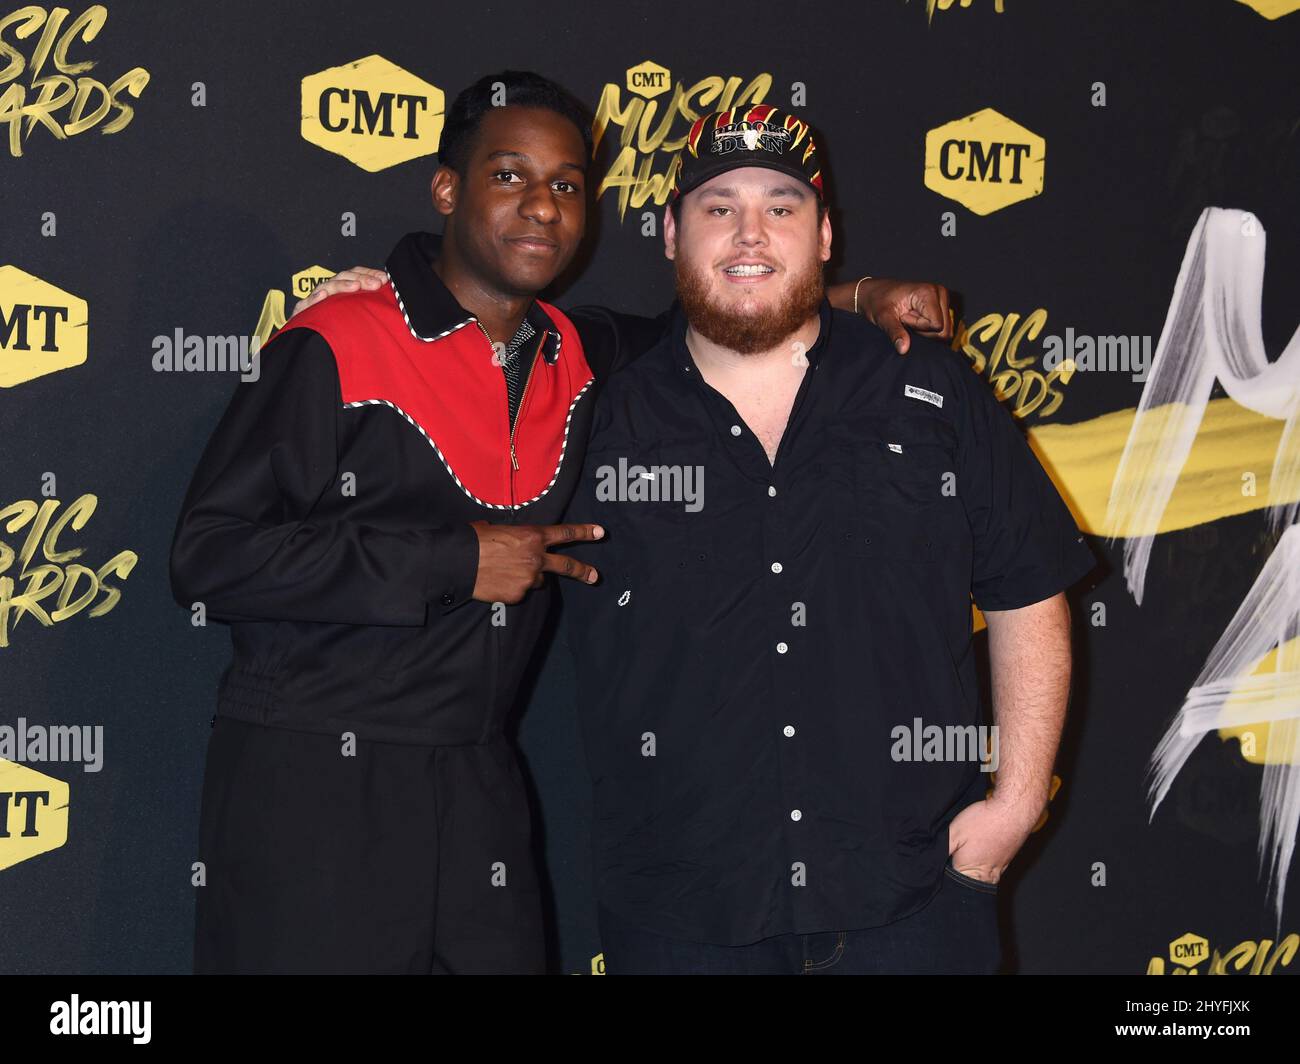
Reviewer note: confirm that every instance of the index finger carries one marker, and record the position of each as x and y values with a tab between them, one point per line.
552	534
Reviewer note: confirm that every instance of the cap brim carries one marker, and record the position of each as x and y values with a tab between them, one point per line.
791	172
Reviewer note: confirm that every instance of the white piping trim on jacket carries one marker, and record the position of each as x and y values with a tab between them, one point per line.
564	446
430	339
407	318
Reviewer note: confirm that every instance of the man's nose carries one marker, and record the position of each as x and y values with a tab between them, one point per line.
539	205
751	229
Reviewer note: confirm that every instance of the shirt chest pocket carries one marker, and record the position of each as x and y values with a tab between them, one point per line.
893	482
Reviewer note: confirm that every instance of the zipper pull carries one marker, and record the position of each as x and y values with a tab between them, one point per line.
514	462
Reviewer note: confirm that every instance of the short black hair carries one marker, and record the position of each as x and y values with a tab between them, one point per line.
520	88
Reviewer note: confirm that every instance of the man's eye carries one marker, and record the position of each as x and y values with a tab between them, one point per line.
714	210
498	175
783	211
567	186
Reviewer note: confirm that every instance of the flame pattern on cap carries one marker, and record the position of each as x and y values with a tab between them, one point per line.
753	114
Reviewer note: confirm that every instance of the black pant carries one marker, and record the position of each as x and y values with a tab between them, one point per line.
955	933
400	859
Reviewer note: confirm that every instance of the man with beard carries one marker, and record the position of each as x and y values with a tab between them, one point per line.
778	659
373	517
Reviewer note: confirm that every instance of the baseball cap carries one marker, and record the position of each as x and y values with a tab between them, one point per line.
754	135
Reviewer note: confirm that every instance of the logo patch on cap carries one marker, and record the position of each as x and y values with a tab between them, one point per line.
751	136
913	392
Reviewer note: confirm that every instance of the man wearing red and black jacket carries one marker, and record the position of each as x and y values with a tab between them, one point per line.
372	516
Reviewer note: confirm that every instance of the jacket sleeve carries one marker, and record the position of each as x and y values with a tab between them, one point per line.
249	544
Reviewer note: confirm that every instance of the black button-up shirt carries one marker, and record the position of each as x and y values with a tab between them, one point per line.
753	646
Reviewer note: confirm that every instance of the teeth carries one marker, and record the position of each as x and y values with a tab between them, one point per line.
748	271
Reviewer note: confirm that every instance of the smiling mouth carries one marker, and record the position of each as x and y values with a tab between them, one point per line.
748	270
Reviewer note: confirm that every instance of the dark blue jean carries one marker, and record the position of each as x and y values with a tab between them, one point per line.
955	933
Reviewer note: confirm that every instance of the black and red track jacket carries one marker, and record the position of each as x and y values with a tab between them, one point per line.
328	519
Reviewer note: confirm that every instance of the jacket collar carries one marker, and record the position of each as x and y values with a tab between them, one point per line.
430	310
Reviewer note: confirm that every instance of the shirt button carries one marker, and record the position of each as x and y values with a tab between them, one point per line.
781	648
776	567
788	730
448	599
796	814
735	430
771	489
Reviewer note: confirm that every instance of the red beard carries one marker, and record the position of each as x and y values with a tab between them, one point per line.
749	332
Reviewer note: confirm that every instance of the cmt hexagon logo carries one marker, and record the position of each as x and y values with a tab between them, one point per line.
1272	9
1189	950
42	328
984	161
33	813
305	281
648	79
372	112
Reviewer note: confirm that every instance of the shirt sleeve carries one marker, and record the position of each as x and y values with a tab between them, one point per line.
249	543
1026	545
612	339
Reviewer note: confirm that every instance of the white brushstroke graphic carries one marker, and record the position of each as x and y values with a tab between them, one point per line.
1213	332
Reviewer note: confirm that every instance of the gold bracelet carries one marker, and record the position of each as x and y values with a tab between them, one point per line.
855	291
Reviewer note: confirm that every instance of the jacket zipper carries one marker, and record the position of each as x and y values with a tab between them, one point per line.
514	461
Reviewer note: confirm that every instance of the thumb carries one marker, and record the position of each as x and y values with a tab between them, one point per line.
893	327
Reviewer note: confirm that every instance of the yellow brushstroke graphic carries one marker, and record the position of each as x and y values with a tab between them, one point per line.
1082	458
1254	737
1232	441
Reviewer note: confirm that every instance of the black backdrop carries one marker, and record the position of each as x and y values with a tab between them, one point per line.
189	215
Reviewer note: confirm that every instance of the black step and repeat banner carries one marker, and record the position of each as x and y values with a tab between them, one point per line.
1109	188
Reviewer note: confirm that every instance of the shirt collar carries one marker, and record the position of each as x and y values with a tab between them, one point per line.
682	353
430	310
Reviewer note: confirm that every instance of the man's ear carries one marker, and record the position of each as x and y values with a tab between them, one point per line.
445	188
824	236
670	234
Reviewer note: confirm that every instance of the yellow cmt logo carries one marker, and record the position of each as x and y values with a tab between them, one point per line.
1189	950
33	813
984	161
306	281
372	112
42	328
649	79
